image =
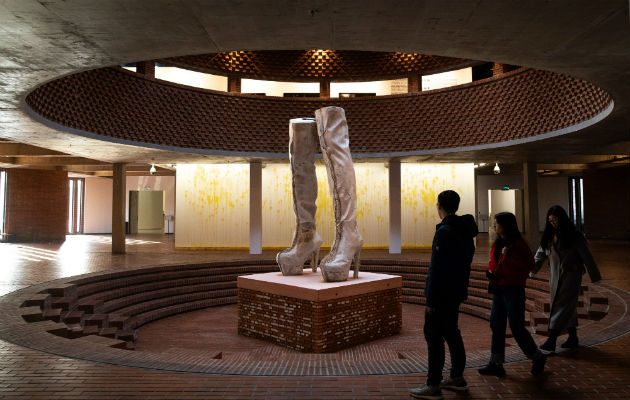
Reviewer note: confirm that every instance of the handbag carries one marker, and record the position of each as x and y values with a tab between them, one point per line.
493	287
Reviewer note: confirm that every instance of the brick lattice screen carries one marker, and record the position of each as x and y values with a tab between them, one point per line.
123	105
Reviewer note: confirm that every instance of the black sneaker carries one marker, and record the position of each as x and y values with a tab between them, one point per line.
571	343
549	345
538	365
458	384
492	369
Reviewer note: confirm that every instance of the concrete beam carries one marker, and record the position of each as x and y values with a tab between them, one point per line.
21	149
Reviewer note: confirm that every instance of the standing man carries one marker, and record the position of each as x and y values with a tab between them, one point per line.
446	287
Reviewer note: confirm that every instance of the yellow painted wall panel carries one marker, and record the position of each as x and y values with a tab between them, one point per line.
420	186
212	205
372	205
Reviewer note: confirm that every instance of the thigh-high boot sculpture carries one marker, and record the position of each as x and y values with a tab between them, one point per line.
306	240
332	129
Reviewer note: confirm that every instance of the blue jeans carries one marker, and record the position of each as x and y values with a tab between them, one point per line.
439	326
508	304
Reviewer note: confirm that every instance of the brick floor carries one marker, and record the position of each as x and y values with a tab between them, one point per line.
597	372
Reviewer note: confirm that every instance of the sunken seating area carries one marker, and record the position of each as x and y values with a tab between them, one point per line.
115	305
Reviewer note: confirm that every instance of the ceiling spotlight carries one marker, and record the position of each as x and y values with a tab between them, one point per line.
152	171
496	170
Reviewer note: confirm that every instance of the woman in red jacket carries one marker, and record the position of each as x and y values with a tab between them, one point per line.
511	260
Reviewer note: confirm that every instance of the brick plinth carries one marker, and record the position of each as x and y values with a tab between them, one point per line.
317	317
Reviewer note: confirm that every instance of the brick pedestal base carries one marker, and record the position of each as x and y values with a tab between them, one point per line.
307	314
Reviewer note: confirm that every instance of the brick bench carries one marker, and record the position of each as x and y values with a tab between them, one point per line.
125	300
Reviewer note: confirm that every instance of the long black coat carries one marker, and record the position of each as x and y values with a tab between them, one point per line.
566	267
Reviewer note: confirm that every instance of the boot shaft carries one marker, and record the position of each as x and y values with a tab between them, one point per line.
303	144
332	129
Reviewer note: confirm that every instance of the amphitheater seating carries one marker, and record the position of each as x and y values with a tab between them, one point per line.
115	305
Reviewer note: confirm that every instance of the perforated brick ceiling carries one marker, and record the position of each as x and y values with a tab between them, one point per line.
313	65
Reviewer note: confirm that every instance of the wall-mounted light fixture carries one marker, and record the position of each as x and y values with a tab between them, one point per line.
152	170
496	170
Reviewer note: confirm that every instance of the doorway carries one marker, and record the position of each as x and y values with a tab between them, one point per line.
146	211
510	200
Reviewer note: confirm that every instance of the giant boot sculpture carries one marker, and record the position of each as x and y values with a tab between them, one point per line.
332	129
306	240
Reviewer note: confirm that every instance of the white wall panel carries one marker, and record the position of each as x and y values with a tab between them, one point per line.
98	205
212	205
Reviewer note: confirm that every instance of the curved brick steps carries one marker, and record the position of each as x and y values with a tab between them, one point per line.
115	304
119	298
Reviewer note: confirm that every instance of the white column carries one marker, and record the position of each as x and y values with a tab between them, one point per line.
395	230
255	207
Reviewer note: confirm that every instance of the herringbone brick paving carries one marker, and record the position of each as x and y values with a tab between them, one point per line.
599	372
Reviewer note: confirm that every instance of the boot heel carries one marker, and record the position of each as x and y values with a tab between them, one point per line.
357	264
315	260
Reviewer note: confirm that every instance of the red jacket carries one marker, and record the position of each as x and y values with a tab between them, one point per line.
514	265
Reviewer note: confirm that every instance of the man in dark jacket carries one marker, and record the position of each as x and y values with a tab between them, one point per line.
446	287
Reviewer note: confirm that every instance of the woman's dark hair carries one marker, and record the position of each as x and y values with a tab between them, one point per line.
566	229
507	220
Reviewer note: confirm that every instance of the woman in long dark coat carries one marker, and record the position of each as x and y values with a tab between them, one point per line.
566	249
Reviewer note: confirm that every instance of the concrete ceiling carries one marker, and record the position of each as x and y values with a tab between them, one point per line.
42	40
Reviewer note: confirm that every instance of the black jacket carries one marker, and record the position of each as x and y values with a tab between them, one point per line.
451	256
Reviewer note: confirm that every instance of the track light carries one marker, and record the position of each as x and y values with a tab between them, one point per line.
496	170
153	171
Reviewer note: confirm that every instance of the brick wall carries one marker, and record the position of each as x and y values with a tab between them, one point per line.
606	199
498	69
37	205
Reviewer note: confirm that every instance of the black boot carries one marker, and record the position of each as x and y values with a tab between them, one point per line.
492	369
550	344
572	342
538	364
